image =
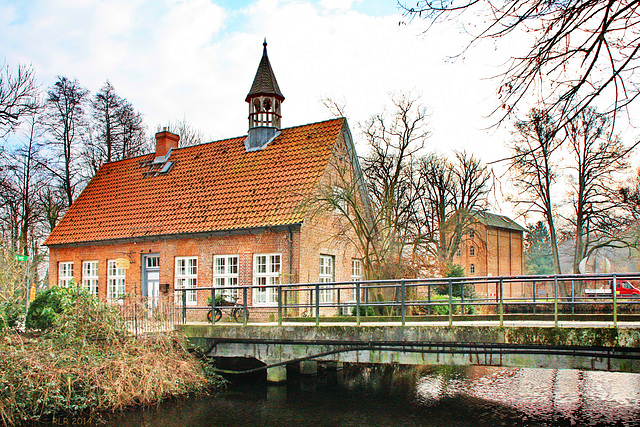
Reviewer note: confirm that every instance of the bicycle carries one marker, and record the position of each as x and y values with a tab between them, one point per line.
237	311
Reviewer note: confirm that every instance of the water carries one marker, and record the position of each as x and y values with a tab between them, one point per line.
392	395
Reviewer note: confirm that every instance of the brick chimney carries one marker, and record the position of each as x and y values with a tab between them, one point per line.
165	141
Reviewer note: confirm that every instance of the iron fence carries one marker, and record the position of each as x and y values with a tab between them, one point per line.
144	315
432	298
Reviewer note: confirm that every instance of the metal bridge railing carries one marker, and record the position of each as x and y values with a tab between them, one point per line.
441	298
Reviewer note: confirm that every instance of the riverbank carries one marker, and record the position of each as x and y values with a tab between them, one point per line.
88	363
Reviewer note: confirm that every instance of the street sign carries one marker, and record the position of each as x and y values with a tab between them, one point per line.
22	258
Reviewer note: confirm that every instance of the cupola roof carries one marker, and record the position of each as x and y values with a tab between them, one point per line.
265	82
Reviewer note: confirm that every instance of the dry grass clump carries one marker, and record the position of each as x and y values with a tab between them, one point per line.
88	363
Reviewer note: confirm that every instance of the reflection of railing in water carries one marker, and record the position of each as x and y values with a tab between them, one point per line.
149	315
551	294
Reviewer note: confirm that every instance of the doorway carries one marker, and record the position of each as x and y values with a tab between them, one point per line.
151	279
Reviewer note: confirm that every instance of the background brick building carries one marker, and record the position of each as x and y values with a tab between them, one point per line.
493	247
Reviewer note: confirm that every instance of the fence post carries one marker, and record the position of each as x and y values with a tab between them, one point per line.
358	303
184	306
614	292
279	305
135	315
501	301
450	302
573	298
317	304
429	299
213	305
338	309
403	298
555	300
244	301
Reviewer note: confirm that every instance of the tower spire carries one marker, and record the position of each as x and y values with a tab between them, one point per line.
264	100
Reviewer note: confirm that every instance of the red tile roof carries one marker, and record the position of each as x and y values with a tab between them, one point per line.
211	187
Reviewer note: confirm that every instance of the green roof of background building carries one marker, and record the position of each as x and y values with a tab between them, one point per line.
498	221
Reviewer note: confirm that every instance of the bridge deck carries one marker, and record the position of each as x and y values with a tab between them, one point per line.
483	323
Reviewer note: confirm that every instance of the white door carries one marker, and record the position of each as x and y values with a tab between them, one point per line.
151	279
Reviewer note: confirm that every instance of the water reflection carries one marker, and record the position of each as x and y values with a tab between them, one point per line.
412	396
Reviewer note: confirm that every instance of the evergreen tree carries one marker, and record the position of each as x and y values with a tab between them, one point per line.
538	254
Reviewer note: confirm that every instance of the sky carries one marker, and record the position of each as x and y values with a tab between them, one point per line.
196	59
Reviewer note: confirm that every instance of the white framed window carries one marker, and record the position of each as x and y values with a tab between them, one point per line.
472	234
186	277
472	250
152	261
340	201
90	277
266	272
356	276
458	252
356	270
225	274
65	273
327	264
116	278
472	269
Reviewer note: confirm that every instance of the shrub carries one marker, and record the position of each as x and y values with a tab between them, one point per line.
365	310
443	310
48	305
12	314
87	362
220	300
455	270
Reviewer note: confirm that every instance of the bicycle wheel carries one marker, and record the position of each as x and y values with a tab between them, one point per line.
240	314
218	315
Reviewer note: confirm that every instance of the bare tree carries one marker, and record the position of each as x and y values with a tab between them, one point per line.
534	172
394	140
18	95
133	131
104	108
118	131
188	134
580	50
53	205
599	161
22	179
65	122
450	194
376	207
337	108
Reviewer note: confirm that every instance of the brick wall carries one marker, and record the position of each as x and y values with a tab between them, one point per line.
498	252
205	248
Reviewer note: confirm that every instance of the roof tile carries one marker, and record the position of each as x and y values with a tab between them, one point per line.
212	187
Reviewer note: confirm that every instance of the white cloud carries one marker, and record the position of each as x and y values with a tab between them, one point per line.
196	59
336	4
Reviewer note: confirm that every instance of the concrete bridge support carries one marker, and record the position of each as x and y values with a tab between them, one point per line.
277	374
308	367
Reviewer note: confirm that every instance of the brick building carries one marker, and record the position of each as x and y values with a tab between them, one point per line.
233	212
493	247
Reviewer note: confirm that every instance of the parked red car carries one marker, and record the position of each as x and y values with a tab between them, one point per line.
626	289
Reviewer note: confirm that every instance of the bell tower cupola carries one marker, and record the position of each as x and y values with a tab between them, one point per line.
265	101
